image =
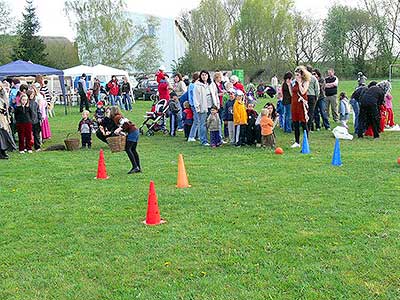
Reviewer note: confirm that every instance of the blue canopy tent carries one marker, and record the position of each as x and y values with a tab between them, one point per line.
23	68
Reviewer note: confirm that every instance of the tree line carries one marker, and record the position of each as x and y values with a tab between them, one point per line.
267	36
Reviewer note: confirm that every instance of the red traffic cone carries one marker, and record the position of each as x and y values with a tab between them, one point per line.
101	167
153	213
182	181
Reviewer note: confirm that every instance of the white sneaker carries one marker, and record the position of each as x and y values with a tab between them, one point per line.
295	145
191	140
22	152
30	151
180	130
205	144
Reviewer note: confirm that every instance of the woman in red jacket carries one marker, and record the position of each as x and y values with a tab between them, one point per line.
113	89
164	88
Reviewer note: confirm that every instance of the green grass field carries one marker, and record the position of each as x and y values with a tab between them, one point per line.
254	225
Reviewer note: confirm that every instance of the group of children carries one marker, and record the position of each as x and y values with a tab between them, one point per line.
236	123
30	114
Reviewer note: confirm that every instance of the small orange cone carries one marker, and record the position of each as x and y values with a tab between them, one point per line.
153	213
182	181
101	167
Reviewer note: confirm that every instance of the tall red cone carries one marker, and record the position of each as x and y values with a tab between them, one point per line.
153	213
101	167
182	181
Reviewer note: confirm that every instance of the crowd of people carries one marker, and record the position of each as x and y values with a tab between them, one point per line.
303	100
24	110
213	110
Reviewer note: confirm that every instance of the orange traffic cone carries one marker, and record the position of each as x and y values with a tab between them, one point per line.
182	181
153	213
101	167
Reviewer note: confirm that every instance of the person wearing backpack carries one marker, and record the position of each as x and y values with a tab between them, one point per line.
82	89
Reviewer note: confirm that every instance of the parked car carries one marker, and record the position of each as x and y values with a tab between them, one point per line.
145	89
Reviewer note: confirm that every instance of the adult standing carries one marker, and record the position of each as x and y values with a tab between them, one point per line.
217	90
113	91
126	97
44	90
179	88
355	100
331	86
312	95
82	91
274	82
320	107
45	126
194	130
286	100
370	101
96	90
237	85
203	101
299	103
6	140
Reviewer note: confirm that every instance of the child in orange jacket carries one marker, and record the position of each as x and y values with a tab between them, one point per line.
239	119
267	126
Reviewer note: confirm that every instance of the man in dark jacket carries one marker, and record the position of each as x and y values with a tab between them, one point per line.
320	107
331	85
82	89
370	100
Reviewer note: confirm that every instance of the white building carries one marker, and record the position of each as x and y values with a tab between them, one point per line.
171	37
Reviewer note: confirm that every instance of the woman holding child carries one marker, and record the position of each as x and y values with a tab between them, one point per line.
299	104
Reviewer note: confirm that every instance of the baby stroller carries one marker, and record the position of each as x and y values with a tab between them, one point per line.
155	119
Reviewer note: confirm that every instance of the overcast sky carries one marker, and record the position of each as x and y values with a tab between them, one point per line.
54	22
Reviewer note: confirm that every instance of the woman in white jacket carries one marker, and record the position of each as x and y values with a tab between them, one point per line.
203	101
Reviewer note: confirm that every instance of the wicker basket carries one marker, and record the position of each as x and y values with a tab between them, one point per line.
71	144
117	143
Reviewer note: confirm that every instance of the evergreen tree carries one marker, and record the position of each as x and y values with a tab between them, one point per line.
30	47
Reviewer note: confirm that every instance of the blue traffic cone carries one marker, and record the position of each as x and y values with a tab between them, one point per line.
305	149
336	159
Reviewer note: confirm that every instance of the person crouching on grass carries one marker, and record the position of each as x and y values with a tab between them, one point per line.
85	127
129	129
24	125
267	126
214	126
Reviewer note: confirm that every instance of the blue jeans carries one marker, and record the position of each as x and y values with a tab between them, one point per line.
203	128
356	108
194	129
320	109
287	123
116	100
112	99
126	99
179	117
173	122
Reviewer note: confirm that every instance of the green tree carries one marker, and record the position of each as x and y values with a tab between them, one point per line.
263	35
103	31
30	47
7	42
5	20
149	54
208	31
62	53
308	40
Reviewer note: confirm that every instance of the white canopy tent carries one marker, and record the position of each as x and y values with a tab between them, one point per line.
78	71
104	73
